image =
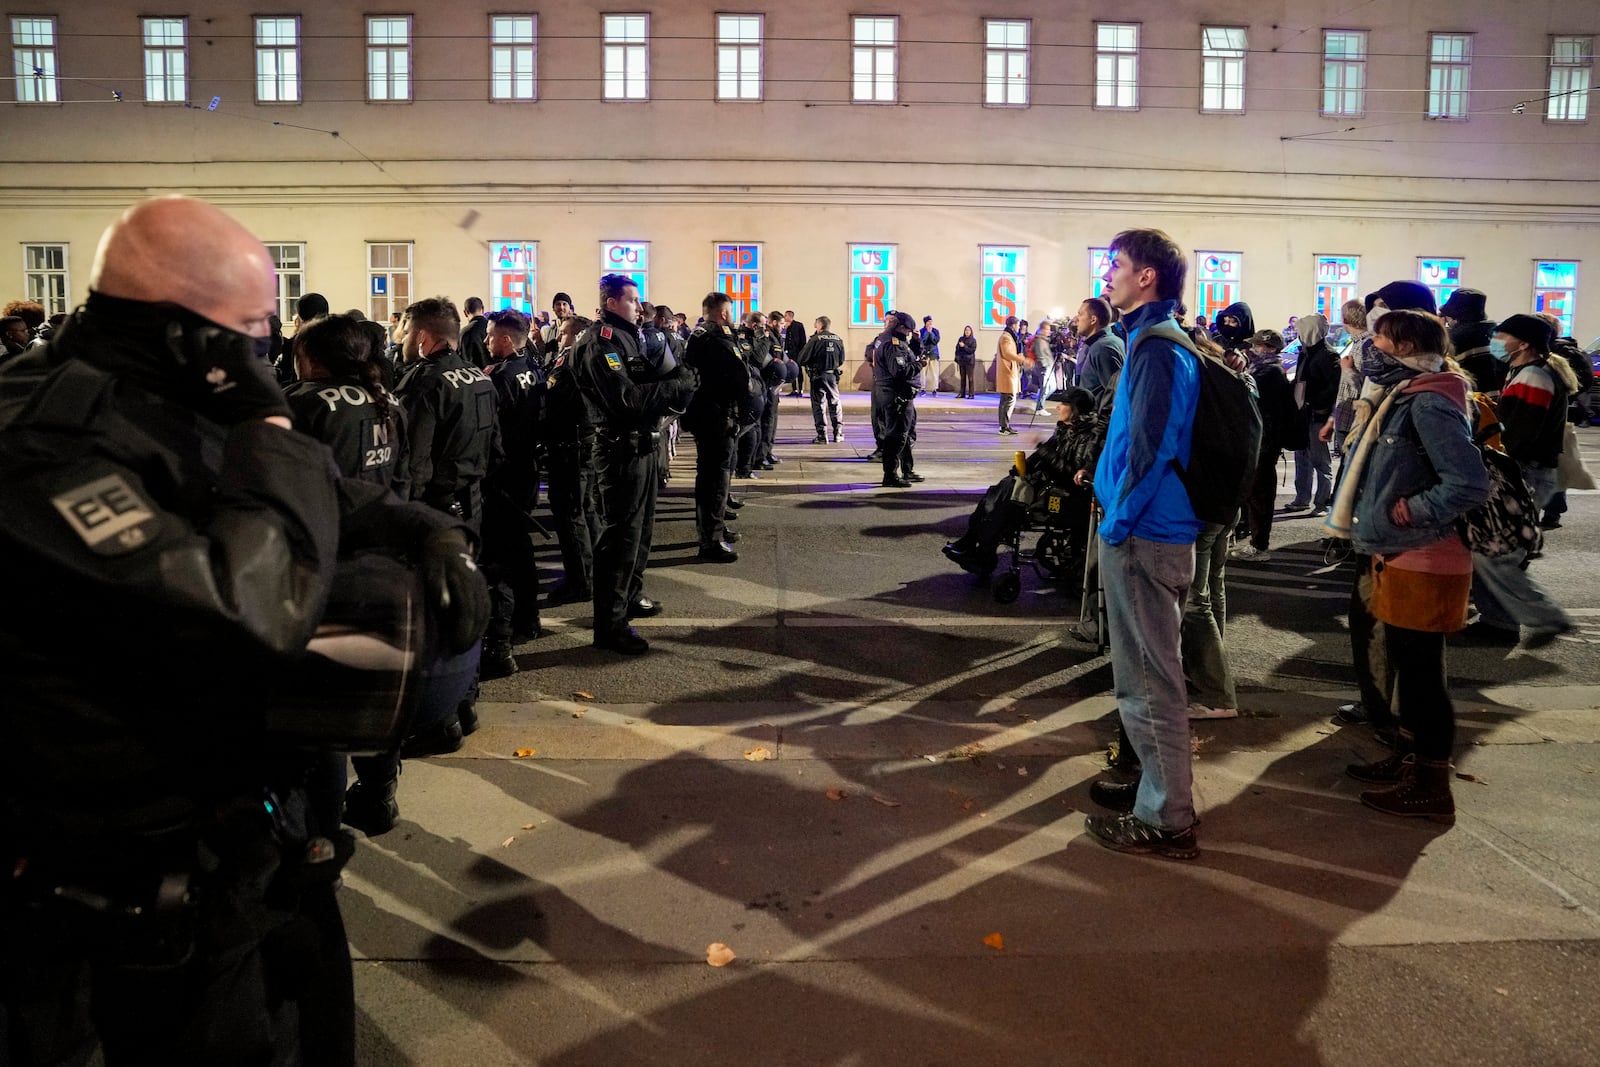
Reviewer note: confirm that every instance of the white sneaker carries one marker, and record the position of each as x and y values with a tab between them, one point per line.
1247	551
1202	711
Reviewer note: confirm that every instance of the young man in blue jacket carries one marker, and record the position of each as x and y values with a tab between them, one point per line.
1147	551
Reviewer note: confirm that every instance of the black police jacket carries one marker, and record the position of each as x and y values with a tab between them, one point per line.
519	387
566	416
721	403
172	570
367	436
894	367
450	414
823	353
616	403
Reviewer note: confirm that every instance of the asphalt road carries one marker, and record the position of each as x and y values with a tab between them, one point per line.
845	761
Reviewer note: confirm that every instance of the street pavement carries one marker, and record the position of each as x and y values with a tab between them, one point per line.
846	762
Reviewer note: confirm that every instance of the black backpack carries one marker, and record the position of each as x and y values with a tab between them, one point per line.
1227	434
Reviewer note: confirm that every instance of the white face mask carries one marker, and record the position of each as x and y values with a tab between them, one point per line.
1378	311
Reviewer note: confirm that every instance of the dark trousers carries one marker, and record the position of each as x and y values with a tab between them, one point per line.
879	417
626	482
509	568
1369	652
745	450
713	466
1259	506
769	427
1420	690
896	416
965	370
825	408
574	509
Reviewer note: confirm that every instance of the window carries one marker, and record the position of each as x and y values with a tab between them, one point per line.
628	257
1442	276
1116	65
1005	284
1337	279
871	283
1005	63
1449	63
1344	72
739	275
388	279
33	52
278	60
1099	263
873	60
513	62
1571	60
389	57
1222	68
1555	290
45	271
739	57
513	276
166	61
1218	280
627	58
289	259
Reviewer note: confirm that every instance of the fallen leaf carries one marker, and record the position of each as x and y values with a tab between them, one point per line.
995	941
931	759
885	801
837	794
527	826
579	713
581	695
1470	778
524	753
966	805
1502	992
757	754
507	842
719	955
1022	772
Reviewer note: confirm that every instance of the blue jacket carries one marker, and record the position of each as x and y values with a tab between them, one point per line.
1152	423
1425	454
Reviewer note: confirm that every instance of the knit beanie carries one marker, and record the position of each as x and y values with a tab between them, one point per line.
1529	329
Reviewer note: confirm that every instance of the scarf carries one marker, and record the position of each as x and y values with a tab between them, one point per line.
1341	517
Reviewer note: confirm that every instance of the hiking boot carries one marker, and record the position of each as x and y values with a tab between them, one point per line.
1126	833
1115	796
1424	793
1390	770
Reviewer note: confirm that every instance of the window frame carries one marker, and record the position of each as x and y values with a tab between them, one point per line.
1019	292
1570	320
529	276
1223	87
1441	292
641	278
606	45
65	273
741	307
875	50
512	49
409	271
1438	66
278	51
286	300
1116	54
1344	65
1354	284
151	51
891	272
738	48
1201	281
1568	95
389	50
1006	53
50	72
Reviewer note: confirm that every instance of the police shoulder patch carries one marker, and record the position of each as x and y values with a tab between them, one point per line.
613	361
108	515
605	332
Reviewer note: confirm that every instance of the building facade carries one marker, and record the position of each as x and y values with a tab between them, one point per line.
942	157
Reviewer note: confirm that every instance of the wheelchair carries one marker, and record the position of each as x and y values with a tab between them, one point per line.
1059	551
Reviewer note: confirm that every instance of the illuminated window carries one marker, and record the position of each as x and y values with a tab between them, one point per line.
166	61
1222	71
1005	63
874	59
1099	264
739	275
1116	65
628	257
512	57
289	259
1219	281
872	269
45	276
627	58
1441	276
1449	67
1344	72
1571	61
513	276
278	59
389	57
388	279
739	57
1555	290
1005	284
1337	280
33	58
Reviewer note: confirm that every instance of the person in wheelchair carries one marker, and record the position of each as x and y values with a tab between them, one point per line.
1063	463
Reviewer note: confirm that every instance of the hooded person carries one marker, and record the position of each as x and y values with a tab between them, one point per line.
1464	315
1235	326
1316	386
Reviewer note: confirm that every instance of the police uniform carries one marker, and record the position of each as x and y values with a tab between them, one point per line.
450	413
511	494
772	370
721	405
368	438
822	357
657	358
894	384
569	455
625	415
752	350
170	888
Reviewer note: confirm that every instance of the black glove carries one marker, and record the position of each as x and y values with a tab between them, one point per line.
458	591
223	377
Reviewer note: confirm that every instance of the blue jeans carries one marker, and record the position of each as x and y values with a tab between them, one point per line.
1314	459
1503	590
1146	583
1205	655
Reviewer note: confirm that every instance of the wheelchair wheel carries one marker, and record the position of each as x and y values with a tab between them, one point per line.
1051	552
1008	588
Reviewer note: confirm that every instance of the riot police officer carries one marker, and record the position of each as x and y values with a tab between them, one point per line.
750	338
339	399
894	384
170	890
569	450
626	415
822	356
721	405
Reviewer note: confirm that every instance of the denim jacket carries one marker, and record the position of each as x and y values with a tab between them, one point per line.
1425	454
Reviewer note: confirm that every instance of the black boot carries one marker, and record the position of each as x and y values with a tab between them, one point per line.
1389	770
497	661
1423	793
371	806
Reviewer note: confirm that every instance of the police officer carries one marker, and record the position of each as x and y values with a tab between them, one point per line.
338	398
569	450
720	406
822	356
894	385
751	343
626	415
170	886
511	493
657	360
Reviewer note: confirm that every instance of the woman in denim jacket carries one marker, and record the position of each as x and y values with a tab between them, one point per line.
1414	472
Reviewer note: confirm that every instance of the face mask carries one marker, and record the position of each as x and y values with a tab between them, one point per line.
1374	315
1371	361
1390	373
1497	349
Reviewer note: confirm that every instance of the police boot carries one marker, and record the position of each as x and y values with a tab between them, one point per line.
892	480
497	661
371	806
